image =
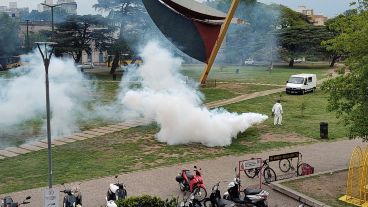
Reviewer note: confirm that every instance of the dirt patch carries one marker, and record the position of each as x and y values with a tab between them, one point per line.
326	188
296	138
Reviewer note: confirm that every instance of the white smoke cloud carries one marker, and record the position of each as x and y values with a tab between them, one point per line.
22	98
165	98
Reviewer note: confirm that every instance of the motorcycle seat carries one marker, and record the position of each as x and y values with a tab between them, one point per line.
189	175
252	191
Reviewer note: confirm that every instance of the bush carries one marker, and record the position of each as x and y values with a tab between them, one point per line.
147	201
340	70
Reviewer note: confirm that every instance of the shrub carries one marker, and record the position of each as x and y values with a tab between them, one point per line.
340	70
147	201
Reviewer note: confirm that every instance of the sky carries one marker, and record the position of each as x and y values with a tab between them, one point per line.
329	8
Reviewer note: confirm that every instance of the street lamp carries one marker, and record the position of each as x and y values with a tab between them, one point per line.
46	56
52	13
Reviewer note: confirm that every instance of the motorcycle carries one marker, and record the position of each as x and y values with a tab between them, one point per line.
73	197
189	182
190	201
116	191
252	197
215	199
8	202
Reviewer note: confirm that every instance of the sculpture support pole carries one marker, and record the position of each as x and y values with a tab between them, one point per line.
219	41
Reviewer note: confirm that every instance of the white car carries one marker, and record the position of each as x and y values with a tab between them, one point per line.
249	61
298	60
86	66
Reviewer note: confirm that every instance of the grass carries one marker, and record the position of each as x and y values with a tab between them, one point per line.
254	74
293	121
124	151
136	148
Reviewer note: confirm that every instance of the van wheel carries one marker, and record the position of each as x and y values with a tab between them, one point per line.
303	92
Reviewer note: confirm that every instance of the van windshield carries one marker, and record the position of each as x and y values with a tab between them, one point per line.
296	80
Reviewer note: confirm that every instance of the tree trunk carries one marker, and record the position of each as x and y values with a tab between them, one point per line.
334	58
115	63
78	58
291	63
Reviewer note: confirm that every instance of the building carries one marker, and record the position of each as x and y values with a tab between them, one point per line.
70	6
12	10
13	5
316	19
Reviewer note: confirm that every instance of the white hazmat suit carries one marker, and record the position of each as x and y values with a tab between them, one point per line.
277	113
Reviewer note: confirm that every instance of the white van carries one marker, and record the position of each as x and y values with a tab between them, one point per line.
301	83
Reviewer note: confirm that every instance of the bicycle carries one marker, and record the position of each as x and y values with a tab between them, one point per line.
269	174
286	165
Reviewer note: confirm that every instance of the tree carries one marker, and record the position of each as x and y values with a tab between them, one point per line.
9	40
291	18
78	33
337	26
348	94
303	40
59	15
127	14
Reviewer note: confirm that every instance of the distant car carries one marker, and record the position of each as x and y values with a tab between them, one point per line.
86	66
249	61
1	67
298	60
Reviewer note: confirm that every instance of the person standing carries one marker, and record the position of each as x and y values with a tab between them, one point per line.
277	113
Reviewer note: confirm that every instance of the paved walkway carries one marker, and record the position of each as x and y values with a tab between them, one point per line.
161	181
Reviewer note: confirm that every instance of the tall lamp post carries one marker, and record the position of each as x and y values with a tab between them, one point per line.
52	13
46	56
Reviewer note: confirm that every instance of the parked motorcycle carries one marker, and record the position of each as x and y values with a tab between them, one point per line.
73	197
190	201
8	202
252	197
116	191
215	199
189	182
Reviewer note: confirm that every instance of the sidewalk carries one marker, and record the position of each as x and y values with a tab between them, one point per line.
161	182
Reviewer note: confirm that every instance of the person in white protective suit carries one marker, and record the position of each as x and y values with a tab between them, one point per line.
277	113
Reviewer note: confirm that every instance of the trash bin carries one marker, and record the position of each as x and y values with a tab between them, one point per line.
323	130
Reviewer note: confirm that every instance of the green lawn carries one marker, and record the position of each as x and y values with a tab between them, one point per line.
124	151
254	74
293	121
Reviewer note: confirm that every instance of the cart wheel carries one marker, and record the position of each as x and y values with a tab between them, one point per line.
269	175
284	165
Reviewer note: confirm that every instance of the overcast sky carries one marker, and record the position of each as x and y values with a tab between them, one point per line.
328	7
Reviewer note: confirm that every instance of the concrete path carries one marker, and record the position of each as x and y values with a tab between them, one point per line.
161	181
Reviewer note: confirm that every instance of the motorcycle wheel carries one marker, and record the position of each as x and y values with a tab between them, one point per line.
200	194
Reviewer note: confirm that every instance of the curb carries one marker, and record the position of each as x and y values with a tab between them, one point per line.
277	186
